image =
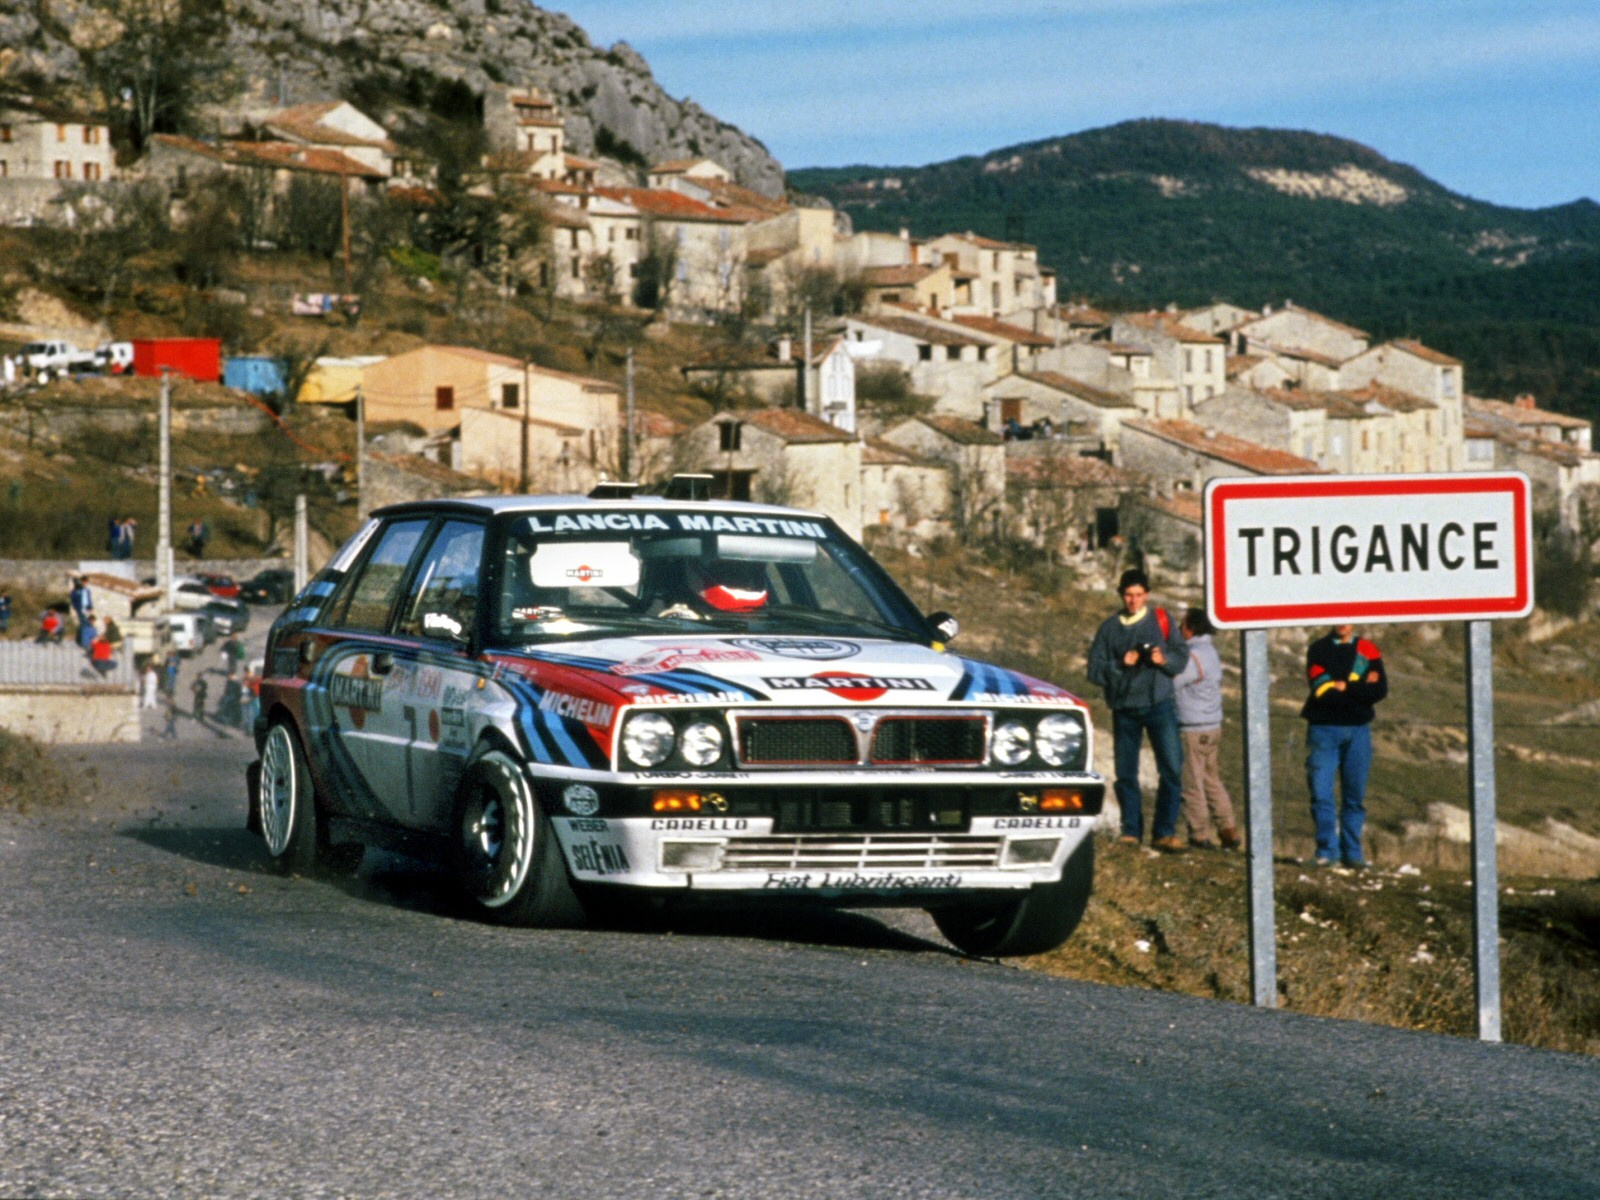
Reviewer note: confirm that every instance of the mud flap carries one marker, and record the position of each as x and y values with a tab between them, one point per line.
252	785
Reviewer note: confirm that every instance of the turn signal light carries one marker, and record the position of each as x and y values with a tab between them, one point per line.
1060	800
668	800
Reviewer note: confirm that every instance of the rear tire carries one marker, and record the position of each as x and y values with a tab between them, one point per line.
507	860
286	802
1039	920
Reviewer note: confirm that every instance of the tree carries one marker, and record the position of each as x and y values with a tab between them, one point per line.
154	62
112	226
309	216
658	271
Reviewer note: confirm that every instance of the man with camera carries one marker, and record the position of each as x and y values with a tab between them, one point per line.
1133	659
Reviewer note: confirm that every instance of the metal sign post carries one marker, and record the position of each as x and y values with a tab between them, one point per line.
1258	817
1338	549
1485	876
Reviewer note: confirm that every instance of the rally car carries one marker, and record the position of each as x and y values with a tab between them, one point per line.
581	701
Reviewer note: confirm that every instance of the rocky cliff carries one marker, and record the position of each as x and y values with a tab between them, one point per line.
387	53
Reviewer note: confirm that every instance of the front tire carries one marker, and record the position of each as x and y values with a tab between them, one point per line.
1039	921
507	859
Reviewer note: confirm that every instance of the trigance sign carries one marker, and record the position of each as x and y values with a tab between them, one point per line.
1309	549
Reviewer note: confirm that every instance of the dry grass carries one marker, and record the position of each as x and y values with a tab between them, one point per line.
1381	946
29	777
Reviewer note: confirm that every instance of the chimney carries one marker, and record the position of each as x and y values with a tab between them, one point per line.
785	349
1525	400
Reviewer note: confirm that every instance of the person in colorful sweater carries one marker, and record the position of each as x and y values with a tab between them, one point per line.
1134	657
1346	677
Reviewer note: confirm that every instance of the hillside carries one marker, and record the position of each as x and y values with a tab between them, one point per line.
393	59
1154	211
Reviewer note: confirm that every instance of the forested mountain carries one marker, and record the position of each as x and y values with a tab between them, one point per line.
1150	212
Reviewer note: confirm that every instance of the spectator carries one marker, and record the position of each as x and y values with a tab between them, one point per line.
1198	693
1134	657
102	656
113	633
230	708
5	612
82	601
198	536
87	633
252	700
169	677
149	685
51	626
199	688
1346	677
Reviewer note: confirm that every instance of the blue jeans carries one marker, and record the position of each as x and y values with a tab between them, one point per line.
1128	727
1344	751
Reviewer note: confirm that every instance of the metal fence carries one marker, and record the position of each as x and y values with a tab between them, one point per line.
62	664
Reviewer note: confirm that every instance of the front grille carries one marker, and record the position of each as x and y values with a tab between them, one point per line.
901	852
944	740
789	741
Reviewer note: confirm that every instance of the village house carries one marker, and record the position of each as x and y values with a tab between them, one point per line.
1066	504
1552	449
1168	532
945	361
1195	361
1292	329
1005	277
335	125
928	288
180	162
775	376
977	461
1118	367
526	132
703	245
903	493
1218	318
1183	456
1411	367
43	149
1029	399
780	456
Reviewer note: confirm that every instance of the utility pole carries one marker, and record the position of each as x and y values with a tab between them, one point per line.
630	444
527	405
164	572
805	369
344	219
361	452
302	545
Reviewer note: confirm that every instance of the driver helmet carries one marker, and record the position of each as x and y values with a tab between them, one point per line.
731	586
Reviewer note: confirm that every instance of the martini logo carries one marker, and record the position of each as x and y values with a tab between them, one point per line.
670	658
584	573
847	685
796	647
358	691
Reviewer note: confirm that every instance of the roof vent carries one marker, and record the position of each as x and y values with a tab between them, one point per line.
613	490
688	487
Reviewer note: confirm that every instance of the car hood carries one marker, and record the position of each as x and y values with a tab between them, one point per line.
792	670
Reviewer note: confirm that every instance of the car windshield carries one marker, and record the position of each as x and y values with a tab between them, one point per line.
608	573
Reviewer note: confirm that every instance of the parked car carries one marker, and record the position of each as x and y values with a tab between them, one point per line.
592	702
272	586
221	585
57	357
190	593
227	616
187	632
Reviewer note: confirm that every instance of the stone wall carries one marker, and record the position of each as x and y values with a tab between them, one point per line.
54	573
71	715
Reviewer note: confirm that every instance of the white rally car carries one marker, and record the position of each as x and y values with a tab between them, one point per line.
576	700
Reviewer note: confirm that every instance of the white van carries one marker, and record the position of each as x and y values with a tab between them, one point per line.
115	358
188	632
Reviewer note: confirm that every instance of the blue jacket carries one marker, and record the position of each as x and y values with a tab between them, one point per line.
1128	687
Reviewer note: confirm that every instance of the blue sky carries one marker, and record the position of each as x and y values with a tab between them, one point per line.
1496	99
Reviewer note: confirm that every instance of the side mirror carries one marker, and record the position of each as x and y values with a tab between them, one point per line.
946	626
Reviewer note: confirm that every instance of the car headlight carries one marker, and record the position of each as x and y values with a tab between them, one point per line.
700	744
1011	743
647	739
1058	739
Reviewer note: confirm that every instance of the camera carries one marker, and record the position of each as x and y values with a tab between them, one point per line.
1147	652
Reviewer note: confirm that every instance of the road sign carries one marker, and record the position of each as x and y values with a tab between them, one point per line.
1314	549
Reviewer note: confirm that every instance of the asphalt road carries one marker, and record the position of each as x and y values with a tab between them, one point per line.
177	1021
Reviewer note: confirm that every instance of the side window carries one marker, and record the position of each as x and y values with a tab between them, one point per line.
370	593
443	602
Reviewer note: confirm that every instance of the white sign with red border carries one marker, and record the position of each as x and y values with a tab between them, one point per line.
1314	549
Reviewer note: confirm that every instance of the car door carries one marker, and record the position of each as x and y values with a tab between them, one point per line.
354	694
439	615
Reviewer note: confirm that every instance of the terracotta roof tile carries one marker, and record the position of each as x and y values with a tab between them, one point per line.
1099	397
1263	460
1004	329
1519	415
1426	353
1170	326
901	276
919	329
962	431
1069	470
794	426
674	206
1306	312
